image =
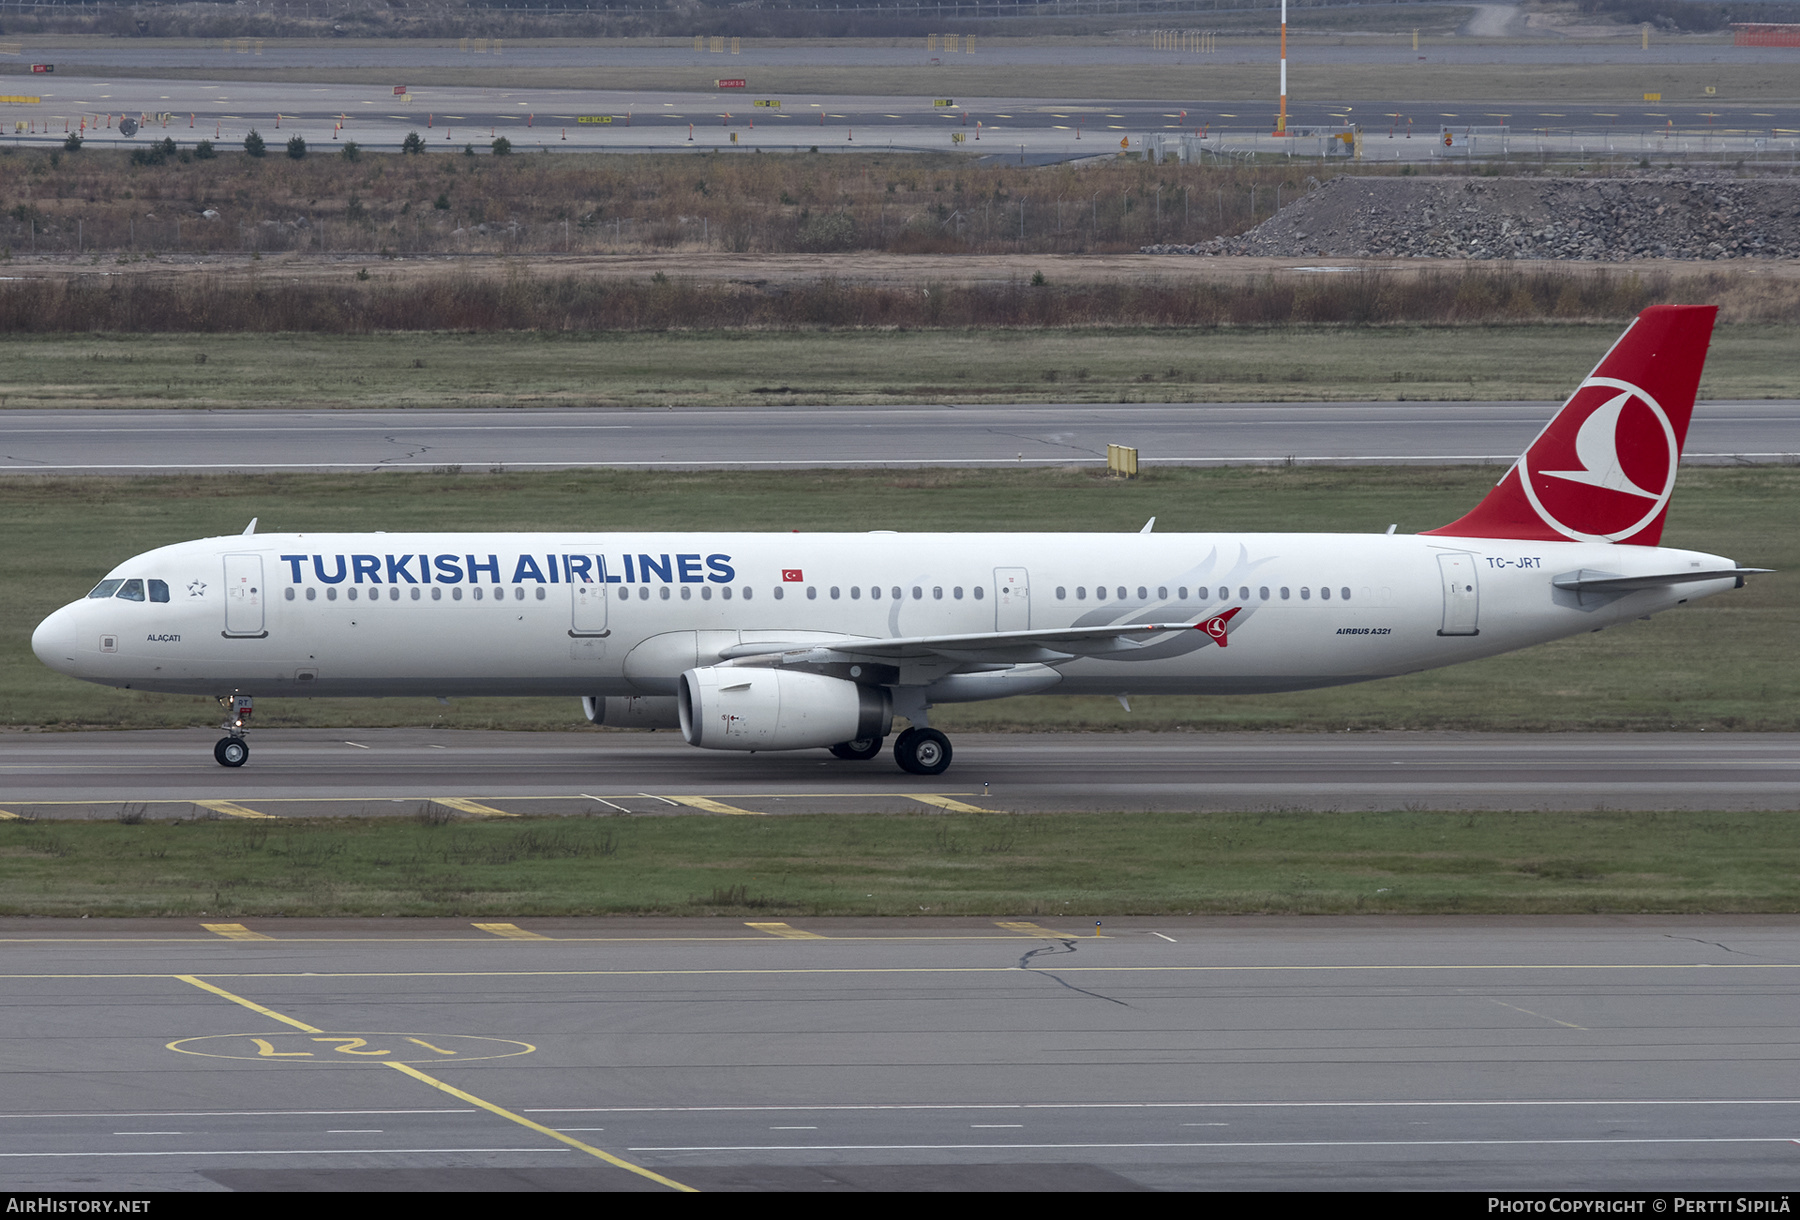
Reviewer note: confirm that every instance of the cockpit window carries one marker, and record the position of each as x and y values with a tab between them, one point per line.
131	591
106	588
159	590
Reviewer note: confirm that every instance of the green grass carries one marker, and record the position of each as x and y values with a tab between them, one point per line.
715	368
977	81
1051	866
1723	663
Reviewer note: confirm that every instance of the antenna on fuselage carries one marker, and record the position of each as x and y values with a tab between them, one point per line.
251	528
1148	526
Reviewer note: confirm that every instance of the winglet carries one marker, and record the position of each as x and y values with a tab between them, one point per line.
1218	625
1604	467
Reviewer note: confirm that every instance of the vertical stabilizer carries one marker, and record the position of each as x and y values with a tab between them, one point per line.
1604	468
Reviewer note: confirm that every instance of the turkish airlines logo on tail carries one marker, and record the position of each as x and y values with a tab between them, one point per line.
1605	467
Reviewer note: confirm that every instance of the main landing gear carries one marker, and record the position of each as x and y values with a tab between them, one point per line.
232	750
922	751
919	751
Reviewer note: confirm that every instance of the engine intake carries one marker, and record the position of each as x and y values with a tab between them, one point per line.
724	708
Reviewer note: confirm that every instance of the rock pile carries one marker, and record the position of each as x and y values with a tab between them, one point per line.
1592	219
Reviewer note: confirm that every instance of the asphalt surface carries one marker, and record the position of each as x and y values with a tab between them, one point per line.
133	442
448	117
1621	1053
383	772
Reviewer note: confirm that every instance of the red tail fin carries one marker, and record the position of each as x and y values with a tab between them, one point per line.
1603	470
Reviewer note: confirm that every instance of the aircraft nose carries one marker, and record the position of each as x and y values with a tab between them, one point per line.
54	641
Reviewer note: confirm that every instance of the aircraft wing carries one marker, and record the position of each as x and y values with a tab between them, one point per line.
1048	647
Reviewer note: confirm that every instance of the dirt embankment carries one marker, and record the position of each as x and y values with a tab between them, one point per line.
1596	219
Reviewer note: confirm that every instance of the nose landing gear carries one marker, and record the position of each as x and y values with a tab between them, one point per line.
232	750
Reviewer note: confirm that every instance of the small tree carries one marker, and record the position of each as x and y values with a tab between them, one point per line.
296	148
350	152
412	144
73	143
203	151
502	146
253	144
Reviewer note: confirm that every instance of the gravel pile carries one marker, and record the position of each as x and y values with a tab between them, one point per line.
1594	219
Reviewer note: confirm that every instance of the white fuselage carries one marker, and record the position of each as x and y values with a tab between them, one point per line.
591	614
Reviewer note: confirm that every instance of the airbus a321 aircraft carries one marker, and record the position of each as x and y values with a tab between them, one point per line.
795	641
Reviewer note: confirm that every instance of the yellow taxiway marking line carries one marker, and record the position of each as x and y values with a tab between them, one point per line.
252	1005
950	803
570	1140
1032	929
509	931
708	805
435	1083
234	931
463	804
13	817
232	809
785	931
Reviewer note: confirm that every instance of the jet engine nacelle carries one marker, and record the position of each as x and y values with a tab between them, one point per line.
725	708
632	711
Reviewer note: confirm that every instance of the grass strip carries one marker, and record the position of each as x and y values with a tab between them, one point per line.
842	368
1051	866
1713	665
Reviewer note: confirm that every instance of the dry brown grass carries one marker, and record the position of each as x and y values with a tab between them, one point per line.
510	300
99	203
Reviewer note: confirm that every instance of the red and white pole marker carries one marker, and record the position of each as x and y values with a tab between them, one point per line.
1281	118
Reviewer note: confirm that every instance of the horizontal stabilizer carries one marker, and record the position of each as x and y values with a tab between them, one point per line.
1589	581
